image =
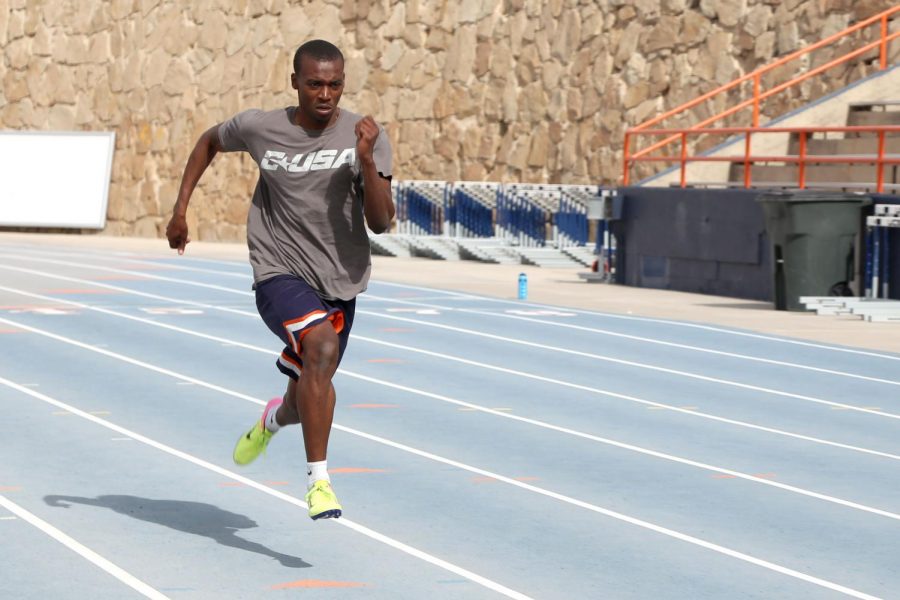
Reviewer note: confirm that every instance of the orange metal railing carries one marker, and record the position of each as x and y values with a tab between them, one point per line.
758	96
880	159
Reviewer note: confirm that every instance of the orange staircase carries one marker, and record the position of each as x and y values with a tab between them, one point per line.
863	153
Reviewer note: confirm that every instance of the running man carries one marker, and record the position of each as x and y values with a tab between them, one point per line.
324	173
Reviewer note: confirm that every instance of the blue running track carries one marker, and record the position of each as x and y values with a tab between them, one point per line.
482	448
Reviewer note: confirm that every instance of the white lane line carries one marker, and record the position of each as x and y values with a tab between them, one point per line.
429	558
606	441
144	274
679	409
135	257
712	328
629	363
568	325
77	547
248	276
519	304
599	357
481	365
125	290
647	340
474	577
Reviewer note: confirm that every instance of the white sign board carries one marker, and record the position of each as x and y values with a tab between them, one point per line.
55	179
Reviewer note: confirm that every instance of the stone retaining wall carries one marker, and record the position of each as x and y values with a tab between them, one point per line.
511	90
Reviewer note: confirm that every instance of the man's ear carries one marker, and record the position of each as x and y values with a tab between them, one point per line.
294	80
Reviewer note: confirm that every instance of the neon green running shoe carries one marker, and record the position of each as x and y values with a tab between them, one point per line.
253	443
323	504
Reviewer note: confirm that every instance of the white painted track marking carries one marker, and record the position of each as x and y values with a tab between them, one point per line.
142	274
74	545
509	340
693	413
677	372
647	340
656	320
420	303
474	577
622	445
119	257
629	363
431	559
519	303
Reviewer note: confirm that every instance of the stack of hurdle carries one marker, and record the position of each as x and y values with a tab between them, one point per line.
524	213
421	206
497	222
470	208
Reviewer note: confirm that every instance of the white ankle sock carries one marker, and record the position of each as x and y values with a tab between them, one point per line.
316	471
271	424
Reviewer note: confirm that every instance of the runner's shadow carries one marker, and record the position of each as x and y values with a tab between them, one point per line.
190	517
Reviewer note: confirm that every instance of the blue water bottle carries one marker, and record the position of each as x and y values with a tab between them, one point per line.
523	286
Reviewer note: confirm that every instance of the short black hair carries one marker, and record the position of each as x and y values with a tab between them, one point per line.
318	50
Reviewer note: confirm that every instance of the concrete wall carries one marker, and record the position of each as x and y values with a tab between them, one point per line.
704	241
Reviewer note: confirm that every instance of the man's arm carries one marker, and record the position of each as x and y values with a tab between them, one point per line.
378	202
201	156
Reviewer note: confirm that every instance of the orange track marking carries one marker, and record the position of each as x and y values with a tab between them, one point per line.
145	267
118	278
32	307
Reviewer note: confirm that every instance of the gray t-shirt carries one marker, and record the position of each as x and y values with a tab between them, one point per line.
306	217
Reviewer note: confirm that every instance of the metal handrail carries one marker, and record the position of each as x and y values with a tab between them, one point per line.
880	158
756	75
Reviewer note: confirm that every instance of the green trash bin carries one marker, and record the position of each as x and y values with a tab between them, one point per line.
812	238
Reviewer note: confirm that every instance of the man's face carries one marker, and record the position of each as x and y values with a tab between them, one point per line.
319	86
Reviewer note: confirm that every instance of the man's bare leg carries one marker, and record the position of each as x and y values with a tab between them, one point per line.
287	413
314	399
314	396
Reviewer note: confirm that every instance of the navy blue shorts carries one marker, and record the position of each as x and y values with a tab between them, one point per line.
290	307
